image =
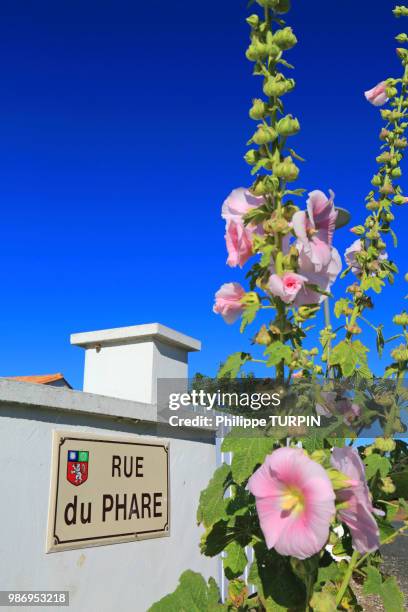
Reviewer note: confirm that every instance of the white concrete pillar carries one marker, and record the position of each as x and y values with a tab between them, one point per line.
127	361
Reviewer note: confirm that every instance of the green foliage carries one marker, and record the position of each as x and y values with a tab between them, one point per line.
235	561
377	464
249	450
276	352
388	590
193	594
349	356
212	504
233	365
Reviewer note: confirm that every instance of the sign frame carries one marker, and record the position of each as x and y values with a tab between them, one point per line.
59	438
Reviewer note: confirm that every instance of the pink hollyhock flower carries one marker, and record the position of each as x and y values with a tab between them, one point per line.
287	286
324	278
228	301
315	229
358	516
351	259
350	256
239	243
377	95
335	406
238	236
294	501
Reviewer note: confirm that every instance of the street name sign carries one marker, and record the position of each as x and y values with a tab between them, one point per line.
107	490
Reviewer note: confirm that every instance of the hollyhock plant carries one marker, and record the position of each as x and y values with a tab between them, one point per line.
294	501
228	301
283	508
286	287
377	95
358	511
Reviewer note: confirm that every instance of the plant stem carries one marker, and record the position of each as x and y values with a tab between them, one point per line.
347	578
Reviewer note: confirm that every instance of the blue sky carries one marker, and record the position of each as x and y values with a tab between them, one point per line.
123	128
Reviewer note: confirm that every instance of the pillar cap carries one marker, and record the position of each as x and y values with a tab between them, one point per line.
135	334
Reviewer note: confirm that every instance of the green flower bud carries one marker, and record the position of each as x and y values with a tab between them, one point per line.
401	143
286	170
391	92
400	11
253	21
400	200
258	109
402	37
400	353
373	205
285	38
263	337
401	319
264	134
384	157
358	230
288	126
251	157
387	485
274	87
256	50
376	180
387	188
402	54
396	172
406	277
387	445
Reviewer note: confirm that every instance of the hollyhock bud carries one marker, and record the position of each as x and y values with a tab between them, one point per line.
263	337
358	230
377	95
277	86
401	319
400	200
228	302
253	21
288	126
264	134
286	170
258	109
251	157
285	38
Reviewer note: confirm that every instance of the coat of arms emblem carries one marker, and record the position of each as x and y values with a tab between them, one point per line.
77	467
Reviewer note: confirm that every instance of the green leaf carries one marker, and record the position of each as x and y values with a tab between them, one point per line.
193	594
377	463
373	582
278	351
388	590
340	305
248	452
233	365
391	595
235	562
372	282
349	355
211	507
249	315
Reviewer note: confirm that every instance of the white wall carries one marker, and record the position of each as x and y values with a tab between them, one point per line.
122	577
